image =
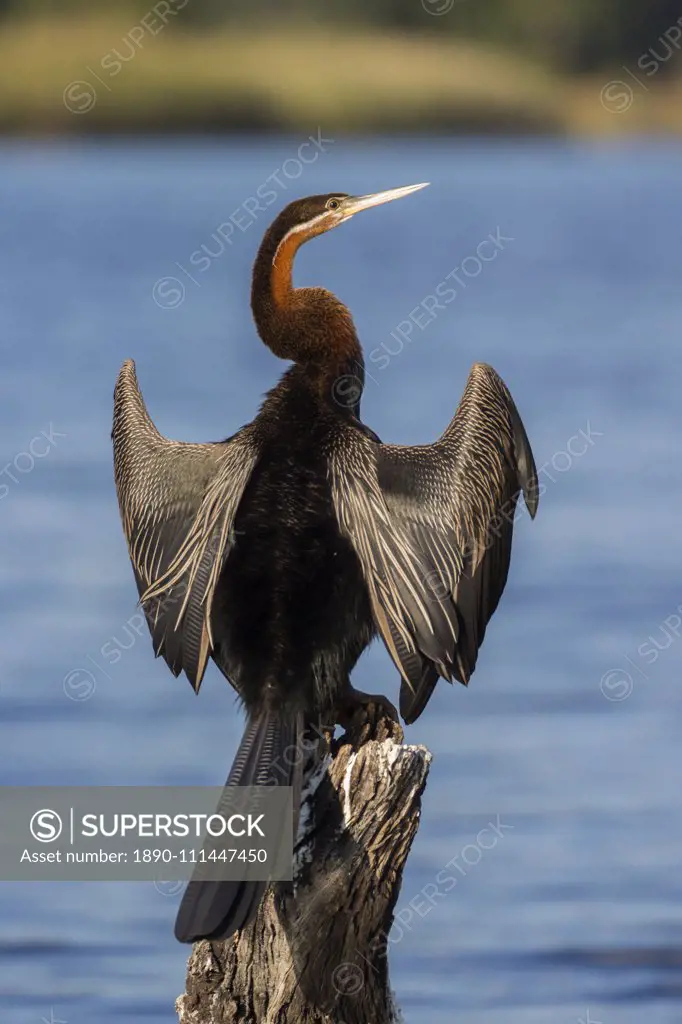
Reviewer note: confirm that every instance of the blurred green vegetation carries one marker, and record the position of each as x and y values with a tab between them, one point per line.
570	35
355	65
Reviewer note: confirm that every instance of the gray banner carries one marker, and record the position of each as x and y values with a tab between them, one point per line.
145	833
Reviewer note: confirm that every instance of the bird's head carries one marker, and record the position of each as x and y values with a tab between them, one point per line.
306	218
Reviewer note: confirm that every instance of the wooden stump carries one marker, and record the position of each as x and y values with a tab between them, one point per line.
319	955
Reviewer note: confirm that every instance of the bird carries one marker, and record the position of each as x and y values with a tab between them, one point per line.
284	550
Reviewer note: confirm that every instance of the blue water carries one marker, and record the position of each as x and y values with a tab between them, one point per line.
570	730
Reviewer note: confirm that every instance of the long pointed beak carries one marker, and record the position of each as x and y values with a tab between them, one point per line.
354	204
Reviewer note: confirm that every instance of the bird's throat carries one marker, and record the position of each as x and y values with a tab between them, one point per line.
281	273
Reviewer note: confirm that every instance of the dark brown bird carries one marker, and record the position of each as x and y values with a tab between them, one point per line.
281	551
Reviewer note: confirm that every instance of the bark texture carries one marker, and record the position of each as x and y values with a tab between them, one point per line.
319	955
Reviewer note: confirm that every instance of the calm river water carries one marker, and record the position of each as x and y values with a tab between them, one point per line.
569	734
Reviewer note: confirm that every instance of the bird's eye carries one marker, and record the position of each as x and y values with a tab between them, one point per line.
333	204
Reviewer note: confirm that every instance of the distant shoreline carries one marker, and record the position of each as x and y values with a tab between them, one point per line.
95	76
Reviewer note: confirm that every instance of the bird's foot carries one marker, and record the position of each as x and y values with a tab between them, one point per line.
367	708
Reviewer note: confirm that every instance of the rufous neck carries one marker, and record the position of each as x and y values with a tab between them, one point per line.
306	325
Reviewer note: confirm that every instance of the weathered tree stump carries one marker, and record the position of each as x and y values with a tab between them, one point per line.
319	955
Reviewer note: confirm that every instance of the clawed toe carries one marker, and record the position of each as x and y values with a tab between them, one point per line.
373	706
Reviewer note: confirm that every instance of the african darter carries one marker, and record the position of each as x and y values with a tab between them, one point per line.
283	550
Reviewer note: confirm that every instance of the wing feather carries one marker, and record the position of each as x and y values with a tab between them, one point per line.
178	503
432	527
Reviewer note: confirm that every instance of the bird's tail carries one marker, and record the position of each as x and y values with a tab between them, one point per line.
270	753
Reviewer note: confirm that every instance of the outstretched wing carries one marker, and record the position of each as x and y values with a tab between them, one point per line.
432	527
178	502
